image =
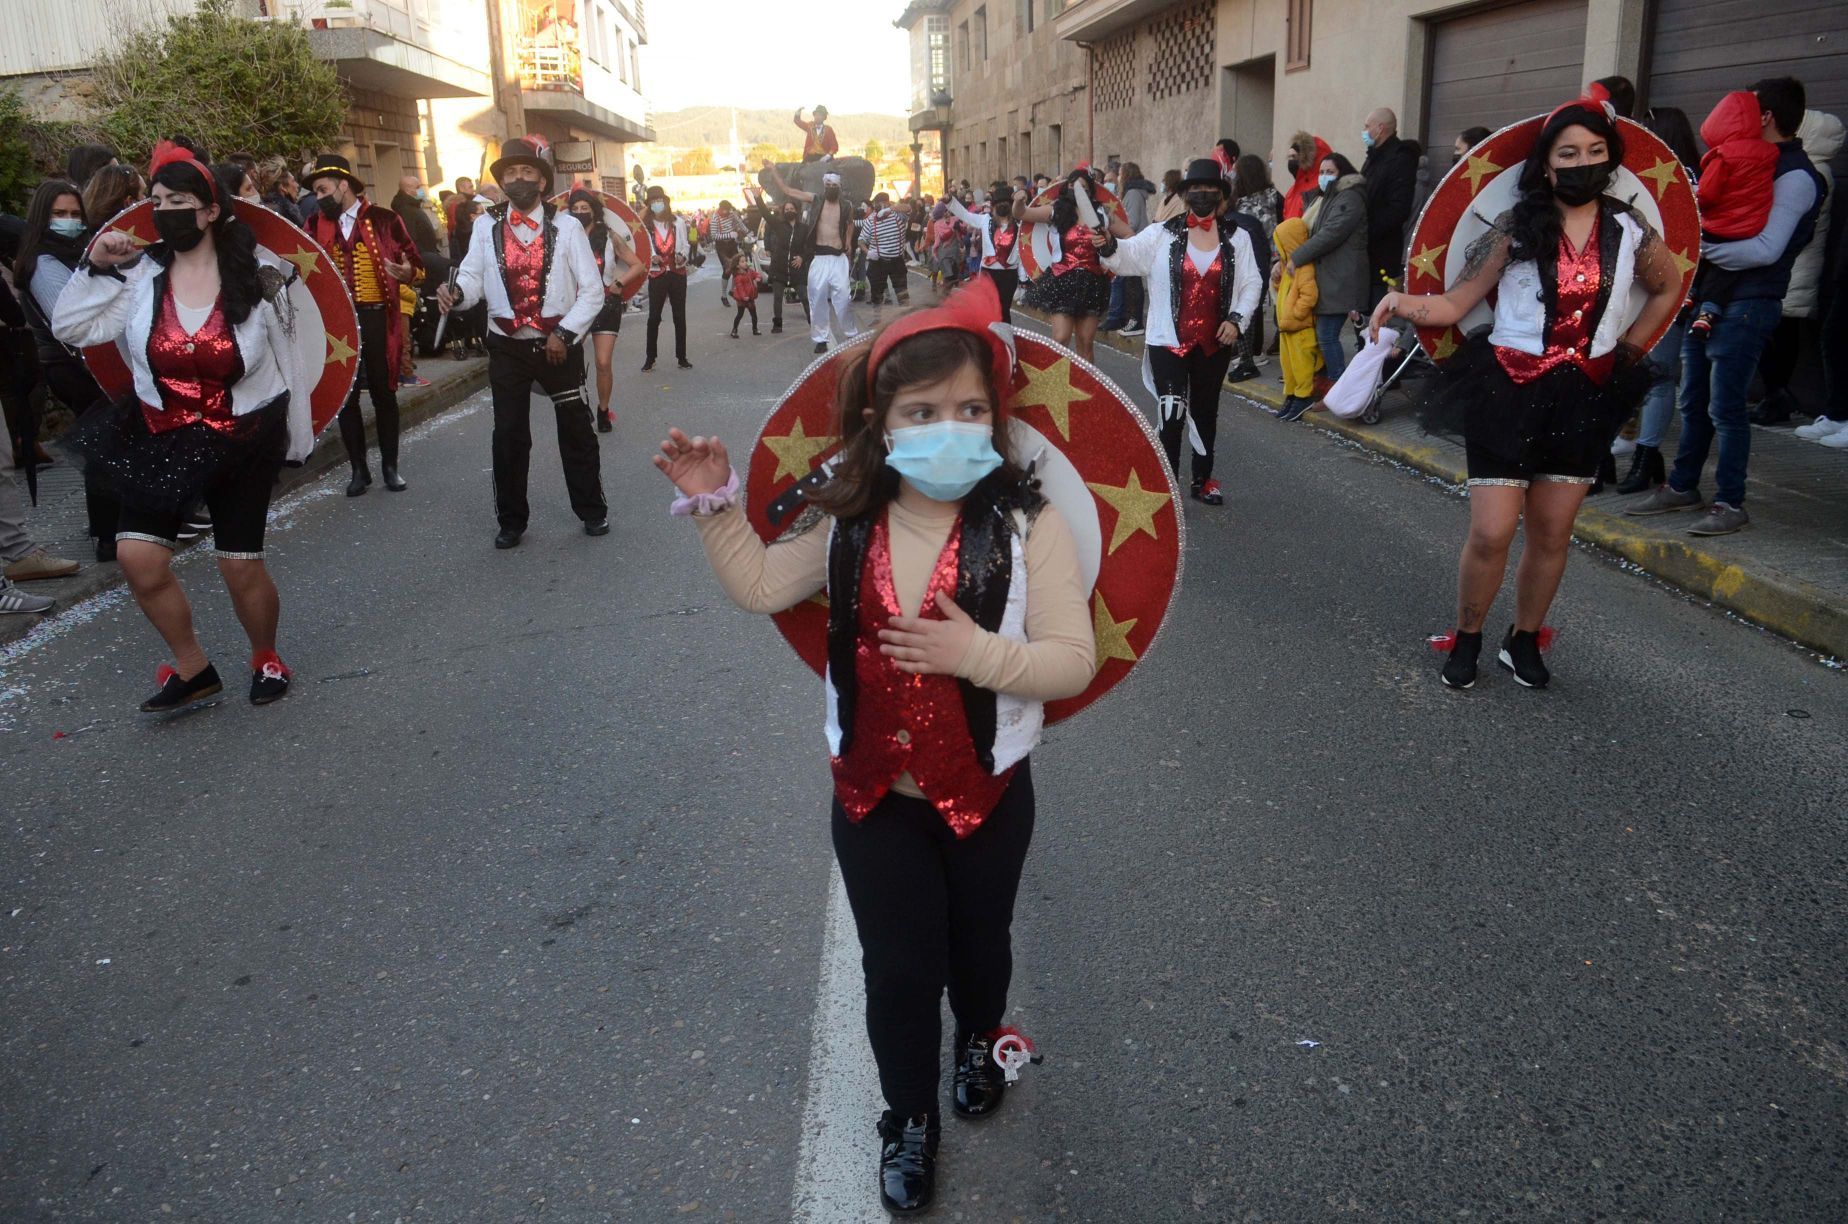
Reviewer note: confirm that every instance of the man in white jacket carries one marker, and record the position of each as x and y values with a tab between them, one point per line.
533	264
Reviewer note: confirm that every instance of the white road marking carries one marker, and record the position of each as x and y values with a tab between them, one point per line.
836	1167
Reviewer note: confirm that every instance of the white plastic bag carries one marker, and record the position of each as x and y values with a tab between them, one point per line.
1348	397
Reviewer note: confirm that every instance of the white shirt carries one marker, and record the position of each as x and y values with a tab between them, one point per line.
348	220
573	292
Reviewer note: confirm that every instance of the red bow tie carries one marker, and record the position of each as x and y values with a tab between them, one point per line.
1201	223
516	217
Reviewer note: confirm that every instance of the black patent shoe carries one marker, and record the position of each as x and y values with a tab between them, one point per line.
599	528
508	538
393	481
1460	668
362	480
1520	654
907	1162
177	694
979	1083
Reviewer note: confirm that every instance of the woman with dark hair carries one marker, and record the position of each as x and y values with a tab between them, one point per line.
1337	246
1542	393
670	252
1256	197
1468	139
109	191
85	160
49	250
1075	291
236	182
617	262
999	234
219	404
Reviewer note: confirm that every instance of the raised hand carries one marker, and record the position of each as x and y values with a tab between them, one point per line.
113	247
695	465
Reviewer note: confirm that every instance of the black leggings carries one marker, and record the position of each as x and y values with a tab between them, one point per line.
1006	281
932	911
1197	379
750	306
669	287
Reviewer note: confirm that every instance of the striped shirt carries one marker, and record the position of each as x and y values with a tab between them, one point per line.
884	233
727	227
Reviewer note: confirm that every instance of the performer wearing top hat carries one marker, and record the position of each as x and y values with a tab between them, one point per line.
375	254
670	248
817	137
1000	231
533	265
823	240
1203	285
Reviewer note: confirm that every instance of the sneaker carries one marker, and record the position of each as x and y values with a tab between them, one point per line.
413	381
1460	667
1820	428
1134	329
39	564
1837	440
1242	372
177	694
12	599
269	678
1520	654
1665	500
1720	519
1295	410
1208	493
1623	446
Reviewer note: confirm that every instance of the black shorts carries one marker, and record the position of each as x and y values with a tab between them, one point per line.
1486	468
239	502
609	320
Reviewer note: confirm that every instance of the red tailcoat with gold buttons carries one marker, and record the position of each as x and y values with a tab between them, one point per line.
379	236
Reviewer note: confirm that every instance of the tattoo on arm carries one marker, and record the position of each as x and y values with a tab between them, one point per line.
1489	249
1422	313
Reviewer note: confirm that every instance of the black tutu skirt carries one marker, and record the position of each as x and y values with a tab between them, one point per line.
167	473
1076	292
1560	424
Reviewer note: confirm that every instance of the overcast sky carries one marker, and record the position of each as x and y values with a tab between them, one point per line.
860	63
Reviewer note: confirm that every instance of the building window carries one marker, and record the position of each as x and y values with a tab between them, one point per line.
1296	38
980	20
1113	72
635	68
1181	51
1026	16
962	47
1000	156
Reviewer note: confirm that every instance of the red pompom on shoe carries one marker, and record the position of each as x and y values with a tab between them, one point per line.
1546	637
1012	1049
167	672
269	664
1443	642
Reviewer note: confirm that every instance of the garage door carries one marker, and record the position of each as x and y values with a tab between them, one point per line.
1498	67
1701	49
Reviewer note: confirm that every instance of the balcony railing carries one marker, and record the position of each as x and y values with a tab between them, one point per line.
409	20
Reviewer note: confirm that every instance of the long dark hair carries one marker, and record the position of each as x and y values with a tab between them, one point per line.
1251	175
235	244
1535	221
38	238
598	228
862	481
1065	204
1672	125
109	191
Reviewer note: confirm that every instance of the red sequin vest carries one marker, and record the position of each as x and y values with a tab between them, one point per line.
910	724
525	262
194	373
1198	326
1003	237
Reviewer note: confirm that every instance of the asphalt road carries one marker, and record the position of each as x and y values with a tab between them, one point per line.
514	909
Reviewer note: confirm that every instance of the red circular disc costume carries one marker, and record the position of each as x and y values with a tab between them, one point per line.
1036	250
1484	185
1098	461
326	325
619	217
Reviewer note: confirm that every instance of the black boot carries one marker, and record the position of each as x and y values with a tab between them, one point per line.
362	480
1460	667
979	1083
1520	654
907	1161
1607	474
1646	470
1773	409
389	473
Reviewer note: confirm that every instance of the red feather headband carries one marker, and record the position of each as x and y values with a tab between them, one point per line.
975	309
166	153
1595	98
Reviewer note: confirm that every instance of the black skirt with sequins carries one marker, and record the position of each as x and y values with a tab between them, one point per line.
1076	292
169	472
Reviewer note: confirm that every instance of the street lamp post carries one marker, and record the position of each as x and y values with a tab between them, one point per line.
917	168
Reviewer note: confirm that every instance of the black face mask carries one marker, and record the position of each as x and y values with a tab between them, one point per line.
524	194
178	228
832	193
330	207
1203	203
1576	185
1293	167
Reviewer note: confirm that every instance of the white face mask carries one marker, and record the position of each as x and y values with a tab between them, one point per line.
657	208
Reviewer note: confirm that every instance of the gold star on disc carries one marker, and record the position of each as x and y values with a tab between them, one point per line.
1136	508
339	352
1683	264
1051	388
1662	174
1446	347
1426	260
1112	634
1477	169
133	237
796	451
305	261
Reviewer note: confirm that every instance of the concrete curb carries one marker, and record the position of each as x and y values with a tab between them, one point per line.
1790	607
415	406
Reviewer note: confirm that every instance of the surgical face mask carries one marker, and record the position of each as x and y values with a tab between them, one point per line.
1581	184
67	227
179	227
523	192
423	193
832	193
945	459
330	207
657	207
252	198
1366	139
1203	203
1325	181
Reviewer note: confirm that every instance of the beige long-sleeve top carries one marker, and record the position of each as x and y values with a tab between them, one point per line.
1057	660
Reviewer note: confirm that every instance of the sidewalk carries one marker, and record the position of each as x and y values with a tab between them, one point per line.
1787	571
59	522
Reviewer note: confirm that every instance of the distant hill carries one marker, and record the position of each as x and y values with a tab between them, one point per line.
711	125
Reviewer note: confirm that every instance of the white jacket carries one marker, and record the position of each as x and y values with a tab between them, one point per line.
1822	139
1520	312
573	290
984	223
98	307
1147	255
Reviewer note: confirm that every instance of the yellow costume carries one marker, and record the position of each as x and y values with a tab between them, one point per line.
1296	298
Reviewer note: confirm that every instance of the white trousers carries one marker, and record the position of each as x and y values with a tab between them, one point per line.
828	289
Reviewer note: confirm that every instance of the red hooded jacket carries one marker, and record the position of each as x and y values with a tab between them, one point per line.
1293	202
1737	174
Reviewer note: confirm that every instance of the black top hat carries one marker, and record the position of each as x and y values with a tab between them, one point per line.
1204	171
524	151
333	164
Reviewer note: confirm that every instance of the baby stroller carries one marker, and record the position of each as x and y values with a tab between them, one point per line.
1416	363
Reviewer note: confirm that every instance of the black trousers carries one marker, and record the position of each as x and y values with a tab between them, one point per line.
1778	363
379	380
669	287
69	380
513	367
932	912
883	272
1197	380
727	250
1006	281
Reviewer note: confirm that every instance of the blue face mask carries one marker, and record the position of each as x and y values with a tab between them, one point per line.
1325	182
657	208
1366	138
945	459
67	227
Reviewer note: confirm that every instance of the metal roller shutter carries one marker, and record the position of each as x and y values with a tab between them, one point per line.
1499	67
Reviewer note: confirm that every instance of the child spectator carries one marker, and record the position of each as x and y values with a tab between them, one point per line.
1734	193
744	281
1297	295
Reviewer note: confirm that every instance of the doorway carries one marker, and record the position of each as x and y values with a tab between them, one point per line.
1246	97
387	169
